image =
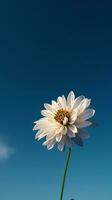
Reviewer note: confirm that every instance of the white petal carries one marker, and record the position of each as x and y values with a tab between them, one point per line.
59	129
42	119
82	124
71	134
59	101
50	135
83	105
47	113
73	117
64	130
45	143
70	100
35	128
35	122
88	113
83	134
58	137
38	133
62	143
49	107
64	102
49	143
45	125
55	106
49	131
88	103
50	146
69	142
40	122
73	128
44	113
78	101
41	135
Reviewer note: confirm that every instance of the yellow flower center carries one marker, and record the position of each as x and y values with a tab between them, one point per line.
61	115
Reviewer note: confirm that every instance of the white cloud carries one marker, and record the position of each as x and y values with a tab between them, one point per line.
6	151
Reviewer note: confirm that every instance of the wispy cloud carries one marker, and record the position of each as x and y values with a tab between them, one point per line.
6	151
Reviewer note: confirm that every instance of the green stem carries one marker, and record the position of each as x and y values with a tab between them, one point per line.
65	172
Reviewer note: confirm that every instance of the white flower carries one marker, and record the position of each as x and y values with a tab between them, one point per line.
63	121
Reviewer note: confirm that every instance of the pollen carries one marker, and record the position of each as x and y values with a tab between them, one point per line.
61	114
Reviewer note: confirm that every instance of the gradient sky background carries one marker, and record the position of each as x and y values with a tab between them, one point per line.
48	48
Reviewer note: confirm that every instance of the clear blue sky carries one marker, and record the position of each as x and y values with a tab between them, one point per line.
46	49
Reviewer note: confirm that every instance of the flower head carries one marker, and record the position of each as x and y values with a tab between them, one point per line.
63	120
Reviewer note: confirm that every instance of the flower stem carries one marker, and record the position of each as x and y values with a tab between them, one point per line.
65	172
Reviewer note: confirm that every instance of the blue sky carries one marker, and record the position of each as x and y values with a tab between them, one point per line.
48	48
